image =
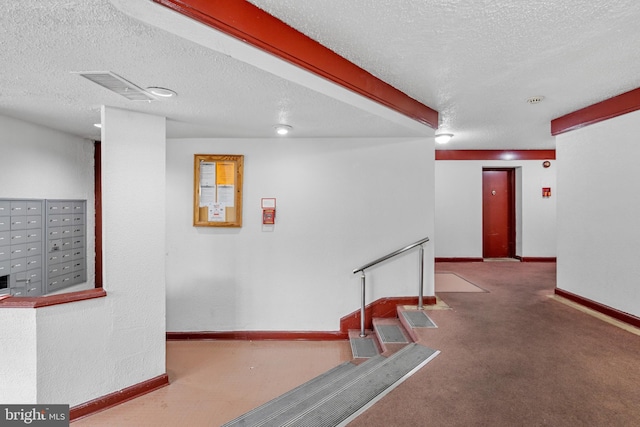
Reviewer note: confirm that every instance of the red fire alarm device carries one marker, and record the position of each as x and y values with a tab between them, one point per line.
546	191
268	210
268	216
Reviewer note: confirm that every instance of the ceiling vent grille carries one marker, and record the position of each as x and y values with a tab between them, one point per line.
117	84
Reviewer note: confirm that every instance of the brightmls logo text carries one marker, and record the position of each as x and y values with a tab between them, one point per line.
34	415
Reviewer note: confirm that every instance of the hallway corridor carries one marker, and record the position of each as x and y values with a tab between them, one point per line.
514	355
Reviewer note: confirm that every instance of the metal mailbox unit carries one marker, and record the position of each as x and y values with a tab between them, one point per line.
42	245
66	244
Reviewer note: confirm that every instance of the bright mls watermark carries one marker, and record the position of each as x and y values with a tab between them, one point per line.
34	415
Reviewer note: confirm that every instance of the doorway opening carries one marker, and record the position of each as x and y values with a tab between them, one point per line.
498	213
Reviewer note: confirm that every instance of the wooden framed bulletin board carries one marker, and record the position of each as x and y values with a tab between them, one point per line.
217	194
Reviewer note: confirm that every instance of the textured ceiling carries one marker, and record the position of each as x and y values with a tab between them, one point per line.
476	62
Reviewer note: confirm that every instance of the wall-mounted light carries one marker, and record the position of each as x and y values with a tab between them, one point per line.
443	138
283	129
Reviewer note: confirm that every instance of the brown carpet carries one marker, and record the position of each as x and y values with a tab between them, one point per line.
451	282
515	357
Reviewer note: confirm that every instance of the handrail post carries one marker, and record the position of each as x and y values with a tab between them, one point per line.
362	288
421	285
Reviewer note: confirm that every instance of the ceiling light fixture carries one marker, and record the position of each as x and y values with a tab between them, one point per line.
162	92
443	138
98	125
283	129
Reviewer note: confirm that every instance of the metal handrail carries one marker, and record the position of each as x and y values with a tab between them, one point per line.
384	258
391	255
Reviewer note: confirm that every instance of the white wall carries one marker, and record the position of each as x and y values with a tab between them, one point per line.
340	204
73	353
459	207
598	212
41	163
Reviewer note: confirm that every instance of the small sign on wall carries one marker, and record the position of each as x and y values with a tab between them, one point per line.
546	192
268	211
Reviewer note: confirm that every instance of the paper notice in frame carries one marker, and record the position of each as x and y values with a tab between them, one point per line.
207	195
217	212
226	195
207	174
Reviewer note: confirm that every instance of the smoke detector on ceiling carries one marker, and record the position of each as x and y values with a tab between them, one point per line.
535	100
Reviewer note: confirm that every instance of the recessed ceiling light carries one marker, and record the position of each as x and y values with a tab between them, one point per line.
283	129
162	92
98	125
535	100
443	138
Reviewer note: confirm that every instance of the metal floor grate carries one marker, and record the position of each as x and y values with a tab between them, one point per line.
391	334
340	397
418	319
363	347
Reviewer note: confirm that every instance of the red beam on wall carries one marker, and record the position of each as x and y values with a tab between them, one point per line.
607	109
248	23
495	154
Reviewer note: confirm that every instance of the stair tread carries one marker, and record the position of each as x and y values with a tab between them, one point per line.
417	319
363	347
390	333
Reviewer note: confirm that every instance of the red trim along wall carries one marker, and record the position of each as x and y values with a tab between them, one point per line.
607	109
384	307
461	259
118	397
259	335
600	308
495	154
535	259
97	191
48	300
246	22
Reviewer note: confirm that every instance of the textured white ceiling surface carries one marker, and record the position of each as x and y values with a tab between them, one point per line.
475	61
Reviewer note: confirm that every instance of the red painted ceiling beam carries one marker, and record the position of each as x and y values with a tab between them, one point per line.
254	26
607	109
495	154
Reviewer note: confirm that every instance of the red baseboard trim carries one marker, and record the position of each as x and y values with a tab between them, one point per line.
495	154
259	335
461	259
600	308
607	109
536	259
384	307
118	397
250	24
49	300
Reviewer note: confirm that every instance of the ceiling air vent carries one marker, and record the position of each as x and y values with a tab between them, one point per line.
117	84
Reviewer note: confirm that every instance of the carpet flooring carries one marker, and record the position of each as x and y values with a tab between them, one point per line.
451	282
516	357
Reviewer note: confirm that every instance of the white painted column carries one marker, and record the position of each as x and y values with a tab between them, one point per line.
133	205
